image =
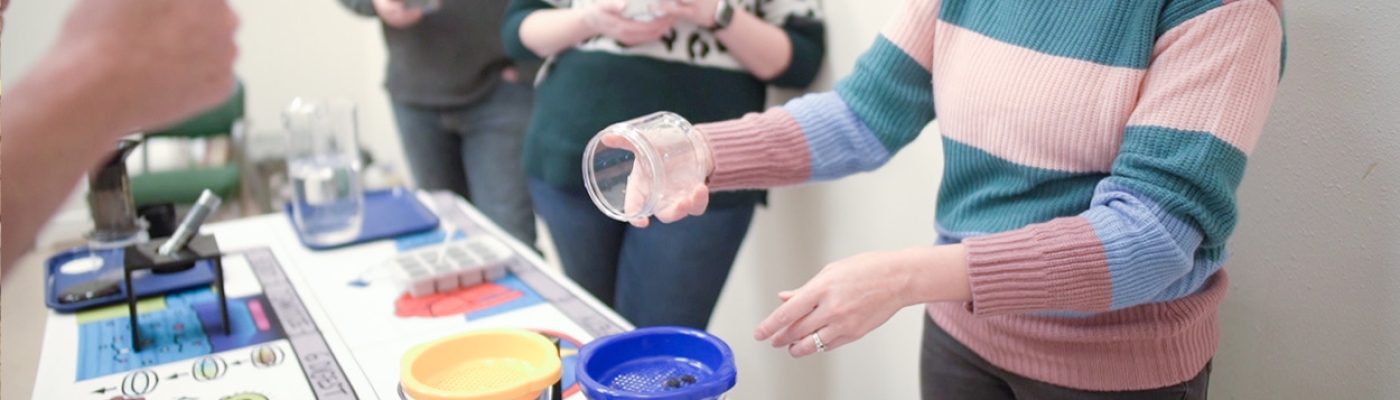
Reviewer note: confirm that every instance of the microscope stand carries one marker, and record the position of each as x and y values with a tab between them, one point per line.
145	256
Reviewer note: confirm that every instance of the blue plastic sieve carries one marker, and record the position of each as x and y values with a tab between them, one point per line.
660	363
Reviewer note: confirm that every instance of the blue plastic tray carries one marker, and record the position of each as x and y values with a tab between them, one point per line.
388	213
147	284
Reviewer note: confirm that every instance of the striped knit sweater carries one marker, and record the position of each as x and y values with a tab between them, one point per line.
1092	148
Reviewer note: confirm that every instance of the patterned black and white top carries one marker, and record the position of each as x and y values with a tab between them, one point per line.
688	71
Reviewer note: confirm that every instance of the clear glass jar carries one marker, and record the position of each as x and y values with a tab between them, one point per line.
635	168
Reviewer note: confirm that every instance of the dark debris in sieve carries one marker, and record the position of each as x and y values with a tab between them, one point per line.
677	383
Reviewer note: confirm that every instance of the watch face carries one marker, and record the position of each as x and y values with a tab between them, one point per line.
725	15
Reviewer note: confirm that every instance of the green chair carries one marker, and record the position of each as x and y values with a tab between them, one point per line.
183	186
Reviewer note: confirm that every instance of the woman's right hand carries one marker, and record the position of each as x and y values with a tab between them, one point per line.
605	18
693	203
639	188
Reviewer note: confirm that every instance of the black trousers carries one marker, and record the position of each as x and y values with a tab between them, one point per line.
950	371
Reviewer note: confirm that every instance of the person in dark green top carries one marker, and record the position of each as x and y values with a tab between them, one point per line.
709	60
461	104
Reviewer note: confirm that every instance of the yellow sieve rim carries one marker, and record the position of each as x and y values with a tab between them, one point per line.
517	347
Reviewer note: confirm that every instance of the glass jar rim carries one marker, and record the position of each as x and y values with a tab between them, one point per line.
644	152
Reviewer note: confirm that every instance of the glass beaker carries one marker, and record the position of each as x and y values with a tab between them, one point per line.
635	168
323	164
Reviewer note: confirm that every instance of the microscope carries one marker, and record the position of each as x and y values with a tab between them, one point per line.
116	224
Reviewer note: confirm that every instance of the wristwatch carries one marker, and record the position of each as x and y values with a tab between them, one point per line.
724	14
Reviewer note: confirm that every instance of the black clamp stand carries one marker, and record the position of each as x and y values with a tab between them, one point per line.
145	256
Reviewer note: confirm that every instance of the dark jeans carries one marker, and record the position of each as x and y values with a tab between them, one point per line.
475	152
665	274
950	371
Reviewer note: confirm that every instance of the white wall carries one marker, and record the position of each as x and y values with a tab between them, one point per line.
1314	305
315	49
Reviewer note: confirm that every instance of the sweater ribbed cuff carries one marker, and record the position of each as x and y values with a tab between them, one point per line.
1055	266
1144	347
758	151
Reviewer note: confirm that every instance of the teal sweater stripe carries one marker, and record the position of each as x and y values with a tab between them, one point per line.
1179	11
1192	175
890	93
1110	32
985	193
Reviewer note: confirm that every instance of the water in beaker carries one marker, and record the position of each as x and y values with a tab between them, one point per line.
329	201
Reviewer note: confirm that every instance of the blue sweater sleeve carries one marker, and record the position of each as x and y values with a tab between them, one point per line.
877	110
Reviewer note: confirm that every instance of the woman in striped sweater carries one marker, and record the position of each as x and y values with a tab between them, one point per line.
1092	148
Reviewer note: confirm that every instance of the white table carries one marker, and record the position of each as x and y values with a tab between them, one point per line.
357	326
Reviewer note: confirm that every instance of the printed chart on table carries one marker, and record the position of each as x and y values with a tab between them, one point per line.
306	324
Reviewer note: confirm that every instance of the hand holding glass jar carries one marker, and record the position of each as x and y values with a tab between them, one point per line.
653	166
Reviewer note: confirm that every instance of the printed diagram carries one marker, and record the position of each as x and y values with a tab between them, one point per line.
207	369
245	396
143	382
285	322
268	356
174	328
273	350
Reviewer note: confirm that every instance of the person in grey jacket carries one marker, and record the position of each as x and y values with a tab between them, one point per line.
461	104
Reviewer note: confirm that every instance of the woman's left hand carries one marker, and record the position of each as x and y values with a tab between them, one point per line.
846	300
851	297
698	12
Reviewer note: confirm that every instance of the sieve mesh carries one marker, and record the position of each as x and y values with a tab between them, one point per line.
656	374
480	376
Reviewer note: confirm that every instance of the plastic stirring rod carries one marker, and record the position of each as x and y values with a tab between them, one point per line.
451	231
364	278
